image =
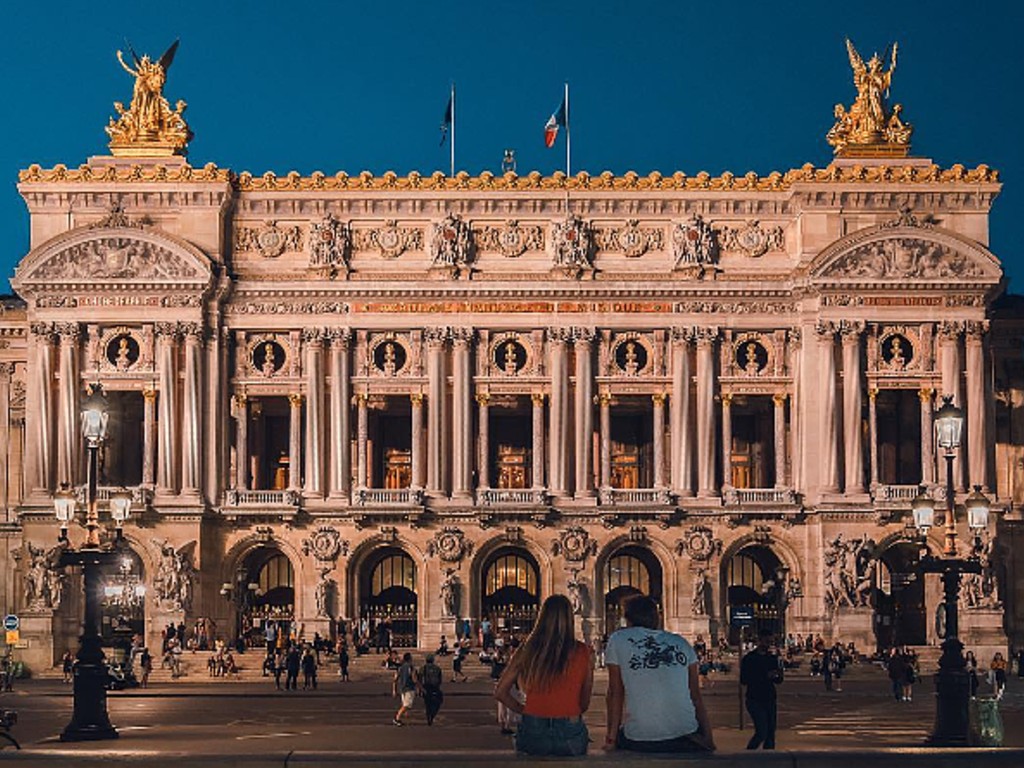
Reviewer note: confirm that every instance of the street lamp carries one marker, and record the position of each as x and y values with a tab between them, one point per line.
952	684
89	720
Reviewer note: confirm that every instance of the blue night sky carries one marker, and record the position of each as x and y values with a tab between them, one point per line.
654	85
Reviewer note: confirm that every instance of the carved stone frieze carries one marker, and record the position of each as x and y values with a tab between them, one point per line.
390	239
753	239
699	543
694	245
269	240
903	258
631	239
572	245
450	545
325	545
451	242
289	307
329	243
574	544
511	239
740	307
114	258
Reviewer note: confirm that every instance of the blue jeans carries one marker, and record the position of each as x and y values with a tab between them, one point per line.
561	736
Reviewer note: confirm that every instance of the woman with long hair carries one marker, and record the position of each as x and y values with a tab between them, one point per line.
555	672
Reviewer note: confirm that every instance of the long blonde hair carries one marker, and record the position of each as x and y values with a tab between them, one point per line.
545	654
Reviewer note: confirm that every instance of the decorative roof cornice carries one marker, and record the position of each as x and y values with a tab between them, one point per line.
510	182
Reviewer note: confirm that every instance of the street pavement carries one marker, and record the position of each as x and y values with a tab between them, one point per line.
224	716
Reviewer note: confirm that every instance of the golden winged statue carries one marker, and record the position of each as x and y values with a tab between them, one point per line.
870	128
149	127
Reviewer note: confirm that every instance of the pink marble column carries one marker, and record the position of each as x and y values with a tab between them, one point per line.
416	406
313	339
67	403
192	410
558	422
852	405
241	409
167	435
295	441
584	412
537	457
977	438
437	460
779	401
681	450
949	349
827	415
341	406
706	438
659	440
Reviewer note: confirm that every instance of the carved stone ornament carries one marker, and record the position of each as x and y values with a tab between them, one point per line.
572	243
699	543
511	239
574	544
450	545
175	576
329	243
270	240
694	245
450	242
44	579
632	239
390	240
904	257
753	239
325	545
115	258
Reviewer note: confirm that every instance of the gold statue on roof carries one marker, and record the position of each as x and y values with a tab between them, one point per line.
870	128
149	127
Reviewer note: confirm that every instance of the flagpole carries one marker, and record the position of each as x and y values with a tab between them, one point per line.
568	142
453	130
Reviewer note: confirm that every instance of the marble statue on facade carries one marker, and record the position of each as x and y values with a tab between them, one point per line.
449	593
699	596
175	576
44	578
322	595
575	589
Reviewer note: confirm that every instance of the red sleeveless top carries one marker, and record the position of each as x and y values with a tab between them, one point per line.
562	696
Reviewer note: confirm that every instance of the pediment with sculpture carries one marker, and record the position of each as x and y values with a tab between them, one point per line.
905	250
113	255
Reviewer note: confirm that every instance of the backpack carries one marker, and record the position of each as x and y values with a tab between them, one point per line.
431	676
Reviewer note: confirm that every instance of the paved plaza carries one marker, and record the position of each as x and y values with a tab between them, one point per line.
247	717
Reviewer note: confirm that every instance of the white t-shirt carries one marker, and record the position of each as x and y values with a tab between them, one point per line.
655	667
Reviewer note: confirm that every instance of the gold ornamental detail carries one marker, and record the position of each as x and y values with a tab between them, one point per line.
149	127
869	173
870	128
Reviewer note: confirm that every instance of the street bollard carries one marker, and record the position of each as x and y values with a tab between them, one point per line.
986	723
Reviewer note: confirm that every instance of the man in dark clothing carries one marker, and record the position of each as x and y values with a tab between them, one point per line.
430	685
292	664
760	672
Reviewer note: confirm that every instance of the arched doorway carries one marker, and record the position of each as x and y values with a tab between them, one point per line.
629	571
388	595
511	590
755	580
264	592
900	615
123	610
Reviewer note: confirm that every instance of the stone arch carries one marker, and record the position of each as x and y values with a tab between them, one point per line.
939	256
665	559
931	587
107	257
244	547
364	553
483	553
776	546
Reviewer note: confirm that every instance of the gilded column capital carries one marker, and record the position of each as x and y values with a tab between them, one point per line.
483	398
658	398
780	398
295	399
926	394
604	399
537	398
726	399
360	398
149	394
416	398
872	393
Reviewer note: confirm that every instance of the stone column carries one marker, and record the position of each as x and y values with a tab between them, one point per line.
416	402
241	442
216	418
39	411
314	347
873	434
852	405
484	438
537	459
341	404
706	336
682	448
6	372
192	411
167	436
362	439
462	416
726	439
605	401
949	348
927	436
584	412
779	400
67	403
294	441
558	423
827	415
976	440
437	462
659	440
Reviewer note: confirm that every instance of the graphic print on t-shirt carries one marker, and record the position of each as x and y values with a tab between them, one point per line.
650	654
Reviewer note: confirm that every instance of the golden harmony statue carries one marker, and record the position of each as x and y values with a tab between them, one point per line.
870	128
149	127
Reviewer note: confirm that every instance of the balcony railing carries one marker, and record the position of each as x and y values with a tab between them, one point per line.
624	496
759	496
142	496
387	497
904	494
246	498
489	497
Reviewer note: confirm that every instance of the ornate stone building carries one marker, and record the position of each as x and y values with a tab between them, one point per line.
424	397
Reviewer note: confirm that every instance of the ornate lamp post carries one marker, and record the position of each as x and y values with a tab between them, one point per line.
952	684
90	721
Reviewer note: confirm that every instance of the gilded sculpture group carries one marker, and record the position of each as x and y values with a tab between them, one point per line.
151	128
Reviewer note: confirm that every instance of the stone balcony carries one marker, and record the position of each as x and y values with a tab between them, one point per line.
387	497
497	497
758	496
142	495
619	497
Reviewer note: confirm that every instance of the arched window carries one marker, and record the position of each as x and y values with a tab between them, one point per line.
626	570
276	572
396	570
510	571
745	571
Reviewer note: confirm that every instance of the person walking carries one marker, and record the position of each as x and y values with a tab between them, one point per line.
760	672
279	664
308	669
146	666
457	659
997	669
292	664
972	672
430	688
343	660
555	672
404	685
827	667
67	665
653	677
895	667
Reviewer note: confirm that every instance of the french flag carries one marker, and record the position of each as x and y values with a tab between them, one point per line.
560	119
